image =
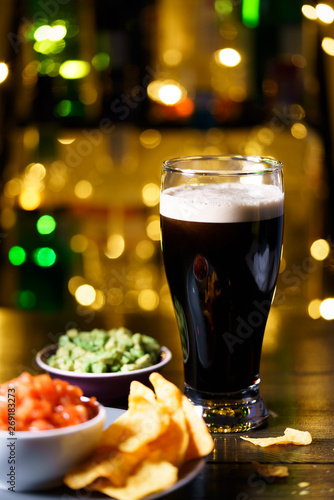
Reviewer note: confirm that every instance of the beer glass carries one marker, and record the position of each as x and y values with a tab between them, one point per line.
221	229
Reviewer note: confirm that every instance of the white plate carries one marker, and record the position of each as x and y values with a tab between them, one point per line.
187	473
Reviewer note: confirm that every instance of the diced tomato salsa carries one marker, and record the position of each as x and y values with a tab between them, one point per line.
39	403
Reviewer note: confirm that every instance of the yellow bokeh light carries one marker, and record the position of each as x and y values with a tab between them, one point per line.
325	13
298	131
88	93
57	33
85	295
99	301
266	135
29	199
150	138
74	69
83	189
148	299
320	249
13	188
35	171
66	140
309	12
327	45
153	90
115	246
237	93
228	57
30	137
153	228
74	283
145	249
3	72
314	309
170	94
79	243
151	194
327	309
172	57
42	33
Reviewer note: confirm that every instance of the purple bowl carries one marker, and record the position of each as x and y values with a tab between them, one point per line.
106	387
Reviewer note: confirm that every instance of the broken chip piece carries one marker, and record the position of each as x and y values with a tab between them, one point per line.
270	470
291	436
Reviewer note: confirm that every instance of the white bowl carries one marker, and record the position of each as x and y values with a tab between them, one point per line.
106	387
39	460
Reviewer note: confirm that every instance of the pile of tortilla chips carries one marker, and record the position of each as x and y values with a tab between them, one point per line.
142	451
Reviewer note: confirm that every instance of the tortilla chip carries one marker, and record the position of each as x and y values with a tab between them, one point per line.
107	463
167	394
270	470
298	437
149	478
264	442
141	451
200	440
291	436
144	421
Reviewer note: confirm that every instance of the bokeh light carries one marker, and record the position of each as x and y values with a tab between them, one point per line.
148	300
17	255
3	72
298	131
44	257
153	228
314	309
327	45
309	12
170	94
83	189
46	224
74	283
320	249
327	309
151	194
74	69
144	249
150	138
85	295
228	57
115	246
79	243
172	57
13	187
325	13
29	199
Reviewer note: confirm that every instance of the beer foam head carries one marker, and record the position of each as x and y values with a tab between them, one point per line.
227	202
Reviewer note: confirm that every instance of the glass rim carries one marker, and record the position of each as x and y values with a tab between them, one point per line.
265	164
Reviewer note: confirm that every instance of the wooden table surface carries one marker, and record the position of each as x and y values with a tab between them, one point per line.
297	381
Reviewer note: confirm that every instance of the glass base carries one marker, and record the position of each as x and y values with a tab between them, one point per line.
234	412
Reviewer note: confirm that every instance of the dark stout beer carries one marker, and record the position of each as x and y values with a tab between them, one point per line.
221	250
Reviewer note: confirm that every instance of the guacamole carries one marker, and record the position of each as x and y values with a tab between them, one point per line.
103	351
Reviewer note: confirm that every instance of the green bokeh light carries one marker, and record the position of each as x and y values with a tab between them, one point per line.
46	224
250	13
26	299
44	257
101	61
17	255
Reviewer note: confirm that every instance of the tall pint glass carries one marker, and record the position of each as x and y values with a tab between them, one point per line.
221	226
